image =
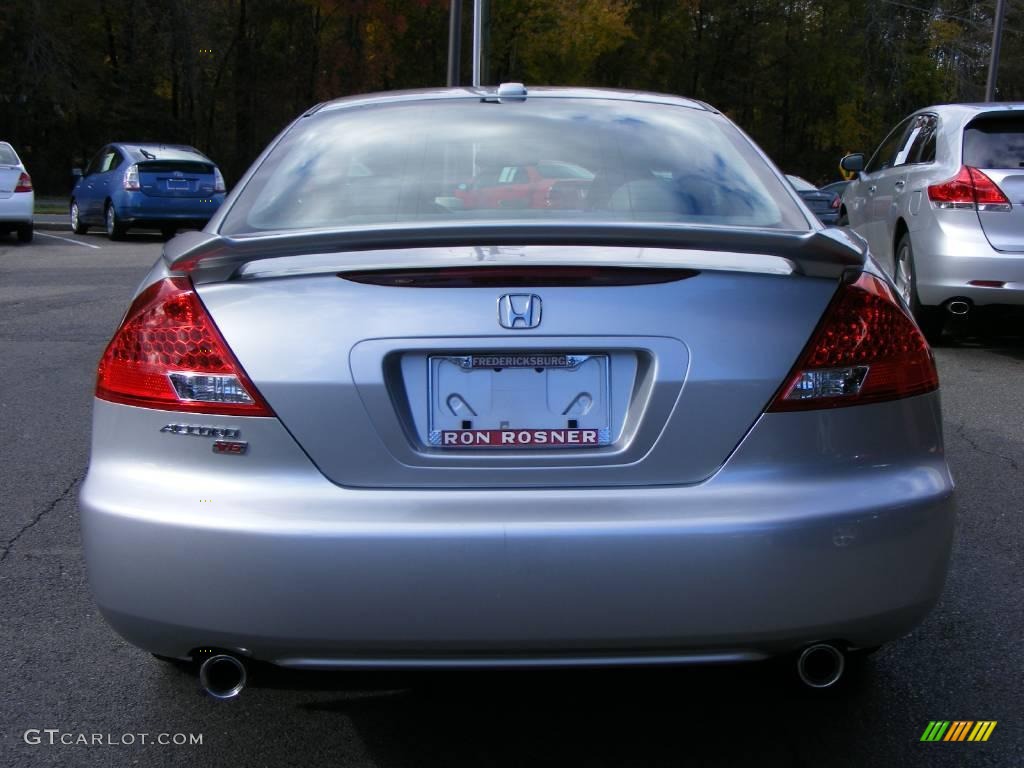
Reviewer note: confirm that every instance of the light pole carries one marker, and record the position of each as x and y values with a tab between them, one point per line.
478	41
455	44
997	39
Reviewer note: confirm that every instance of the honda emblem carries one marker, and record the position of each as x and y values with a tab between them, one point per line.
519	310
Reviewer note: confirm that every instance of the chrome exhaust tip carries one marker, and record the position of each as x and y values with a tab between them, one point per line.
222	676
820	665
958	307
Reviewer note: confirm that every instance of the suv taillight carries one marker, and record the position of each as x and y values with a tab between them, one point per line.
131	179
24	183
866	349
168	354
970	189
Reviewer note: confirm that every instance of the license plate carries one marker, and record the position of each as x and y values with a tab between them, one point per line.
519	400
177	184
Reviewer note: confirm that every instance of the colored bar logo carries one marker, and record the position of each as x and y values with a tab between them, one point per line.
958	730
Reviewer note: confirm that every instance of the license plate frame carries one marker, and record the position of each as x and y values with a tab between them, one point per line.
568	407
177	185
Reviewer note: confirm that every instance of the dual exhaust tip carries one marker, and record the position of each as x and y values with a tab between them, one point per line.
958	307
820	665
224	676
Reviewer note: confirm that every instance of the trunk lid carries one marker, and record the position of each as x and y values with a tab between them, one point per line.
9	175
367	373
994	144
1005	229
176	178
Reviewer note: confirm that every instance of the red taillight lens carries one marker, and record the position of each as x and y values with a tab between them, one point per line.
836	201
168	354
24	183
970	189
866	349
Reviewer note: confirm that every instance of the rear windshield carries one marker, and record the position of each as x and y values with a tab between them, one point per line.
994	143
175	166
7	156
544	159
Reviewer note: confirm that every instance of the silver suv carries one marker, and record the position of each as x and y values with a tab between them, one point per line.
941	204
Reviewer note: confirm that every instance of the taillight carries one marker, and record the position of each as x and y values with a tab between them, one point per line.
866	349
24	183
168	354
131	179
218	181
970	189
835	203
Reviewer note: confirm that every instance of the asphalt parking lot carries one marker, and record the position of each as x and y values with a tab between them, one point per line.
60	300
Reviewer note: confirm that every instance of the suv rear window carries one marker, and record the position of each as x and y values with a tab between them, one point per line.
995	142
450	161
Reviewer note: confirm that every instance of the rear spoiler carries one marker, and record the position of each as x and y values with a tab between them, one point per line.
209	257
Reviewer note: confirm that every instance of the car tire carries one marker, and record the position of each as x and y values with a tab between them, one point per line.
930	320
76	220
115	229
25	233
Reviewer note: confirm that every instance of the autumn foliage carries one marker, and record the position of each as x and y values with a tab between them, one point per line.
808	79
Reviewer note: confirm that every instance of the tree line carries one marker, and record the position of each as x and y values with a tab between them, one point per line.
808	79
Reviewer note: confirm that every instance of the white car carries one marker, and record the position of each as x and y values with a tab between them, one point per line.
17	200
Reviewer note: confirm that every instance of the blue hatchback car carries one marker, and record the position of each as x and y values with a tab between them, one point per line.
157	186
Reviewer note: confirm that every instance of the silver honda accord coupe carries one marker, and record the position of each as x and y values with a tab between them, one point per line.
941	205
407	401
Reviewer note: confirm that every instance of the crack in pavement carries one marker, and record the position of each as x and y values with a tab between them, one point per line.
37	517
960	432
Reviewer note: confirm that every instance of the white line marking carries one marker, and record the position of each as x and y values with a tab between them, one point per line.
69	240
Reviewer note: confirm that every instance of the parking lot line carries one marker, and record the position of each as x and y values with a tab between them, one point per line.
69	240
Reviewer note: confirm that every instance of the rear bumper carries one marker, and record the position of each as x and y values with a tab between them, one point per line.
951	251
17	209
261	553
139	209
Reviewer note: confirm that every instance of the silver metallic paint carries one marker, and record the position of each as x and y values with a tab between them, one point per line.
327	355
823	524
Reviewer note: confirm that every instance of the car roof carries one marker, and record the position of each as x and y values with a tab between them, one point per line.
956	117
970	110
491	92
134	151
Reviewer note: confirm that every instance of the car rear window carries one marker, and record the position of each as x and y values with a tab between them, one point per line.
175	166
463	159
994	142
7	156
